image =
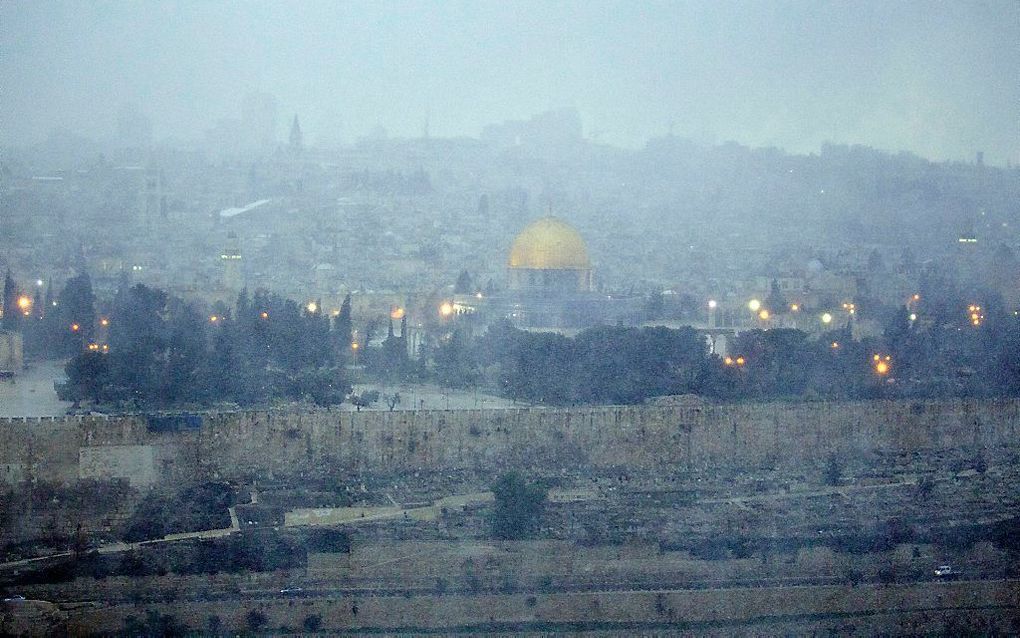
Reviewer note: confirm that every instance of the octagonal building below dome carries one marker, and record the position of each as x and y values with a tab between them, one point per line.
549	256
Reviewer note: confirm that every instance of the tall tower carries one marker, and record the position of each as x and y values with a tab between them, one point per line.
230	258
151	207
296	138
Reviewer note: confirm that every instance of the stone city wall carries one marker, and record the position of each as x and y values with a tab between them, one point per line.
700	437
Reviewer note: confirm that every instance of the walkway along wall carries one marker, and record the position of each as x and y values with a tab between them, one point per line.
280	444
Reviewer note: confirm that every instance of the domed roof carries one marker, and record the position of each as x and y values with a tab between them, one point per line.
549	244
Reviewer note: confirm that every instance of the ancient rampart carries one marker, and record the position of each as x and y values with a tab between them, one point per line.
279	444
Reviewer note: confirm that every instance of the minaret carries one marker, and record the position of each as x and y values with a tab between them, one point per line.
296	139
230	258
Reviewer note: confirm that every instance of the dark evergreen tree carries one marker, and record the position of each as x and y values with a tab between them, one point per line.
137	343
76	316
517	507
776	301
88	376
464	286
185	355
456	365
342	334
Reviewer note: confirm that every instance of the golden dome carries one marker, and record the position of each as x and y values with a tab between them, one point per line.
549	244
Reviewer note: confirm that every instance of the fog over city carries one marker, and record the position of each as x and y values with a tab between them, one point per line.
936	80
509	318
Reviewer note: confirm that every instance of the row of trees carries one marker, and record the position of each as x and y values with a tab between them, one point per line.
53	325
616	364
159	351
163	352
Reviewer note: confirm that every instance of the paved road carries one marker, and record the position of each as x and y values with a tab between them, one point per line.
113	548
31	393
356	515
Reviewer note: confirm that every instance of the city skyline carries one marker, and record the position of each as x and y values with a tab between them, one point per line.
936	81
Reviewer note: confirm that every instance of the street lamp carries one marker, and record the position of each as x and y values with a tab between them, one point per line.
445	309
312	307
754	305
882	364
25	304
976	316
826	318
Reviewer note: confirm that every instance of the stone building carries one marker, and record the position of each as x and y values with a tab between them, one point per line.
11	353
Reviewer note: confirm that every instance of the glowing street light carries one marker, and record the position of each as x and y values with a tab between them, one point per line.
214	319
264	314
25	303
763	314
794	307
104	322
882	364
397	313
75	327
312	307
754	305
826	318
976	316
712	303
740	361
834	345
446	309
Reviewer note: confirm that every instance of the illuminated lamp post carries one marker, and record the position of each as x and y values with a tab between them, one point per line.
882	364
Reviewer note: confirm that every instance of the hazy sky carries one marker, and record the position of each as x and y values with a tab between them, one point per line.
941	79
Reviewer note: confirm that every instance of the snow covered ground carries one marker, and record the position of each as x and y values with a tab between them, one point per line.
31	393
